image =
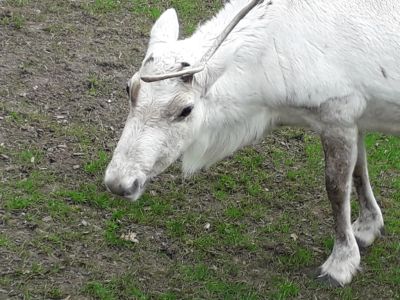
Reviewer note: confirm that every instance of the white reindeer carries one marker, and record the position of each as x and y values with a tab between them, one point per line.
332	66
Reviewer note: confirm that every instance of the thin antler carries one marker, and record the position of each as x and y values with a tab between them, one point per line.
210	53
224	34
183	73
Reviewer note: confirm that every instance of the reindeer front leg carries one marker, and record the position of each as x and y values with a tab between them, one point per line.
340	147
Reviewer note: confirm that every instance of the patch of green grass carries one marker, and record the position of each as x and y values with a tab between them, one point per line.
286	290
37	268
30	156
314	152
99	291
60	28
98	165
328	243
384	151
55	293
301	257
54	239
176	228
250	159
16	117
87	194
227	290
205	242
234	213
168	296
36	180
224	185
94	83
283	225
18	203
123	287
58	209
102	6
198	273
143	8
17	3
4	241
185	9
16	21
233	235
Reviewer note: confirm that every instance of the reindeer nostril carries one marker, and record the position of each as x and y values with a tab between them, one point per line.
120	189
134	187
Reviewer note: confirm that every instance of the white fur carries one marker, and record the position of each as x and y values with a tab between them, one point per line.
343	263
318	63
368	227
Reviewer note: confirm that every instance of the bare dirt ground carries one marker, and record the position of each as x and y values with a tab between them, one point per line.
254	227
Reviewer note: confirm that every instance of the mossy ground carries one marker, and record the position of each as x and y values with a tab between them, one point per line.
252	227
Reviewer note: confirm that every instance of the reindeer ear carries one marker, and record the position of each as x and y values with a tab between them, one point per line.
166	28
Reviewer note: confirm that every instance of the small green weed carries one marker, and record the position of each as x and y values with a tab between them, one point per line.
16	117
16	21
93	84
4	241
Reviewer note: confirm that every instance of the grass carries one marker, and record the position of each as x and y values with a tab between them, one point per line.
185	9
16	21
17	3
102	6
240	222
249	228
4	241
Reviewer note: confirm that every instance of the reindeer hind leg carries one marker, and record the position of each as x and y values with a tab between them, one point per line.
369	224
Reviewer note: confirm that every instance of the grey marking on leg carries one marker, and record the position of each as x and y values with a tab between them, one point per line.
340	148
339	163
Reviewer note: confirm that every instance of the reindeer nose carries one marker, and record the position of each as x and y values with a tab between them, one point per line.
117	188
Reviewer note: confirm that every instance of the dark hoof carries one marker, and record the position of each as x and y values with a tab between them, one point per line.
328	280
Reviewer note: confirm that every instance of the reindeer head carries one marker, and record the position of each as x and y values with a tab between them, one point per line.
165	108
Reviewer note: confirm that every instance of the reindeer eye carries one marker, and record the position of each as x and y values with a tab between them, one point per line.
186	112
187	79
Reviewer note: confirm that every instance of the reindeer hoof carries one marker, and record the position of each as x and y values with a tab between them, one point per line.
328	280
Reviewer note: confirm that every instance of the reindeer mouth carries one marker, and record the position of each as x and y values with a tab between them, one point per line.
136	192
